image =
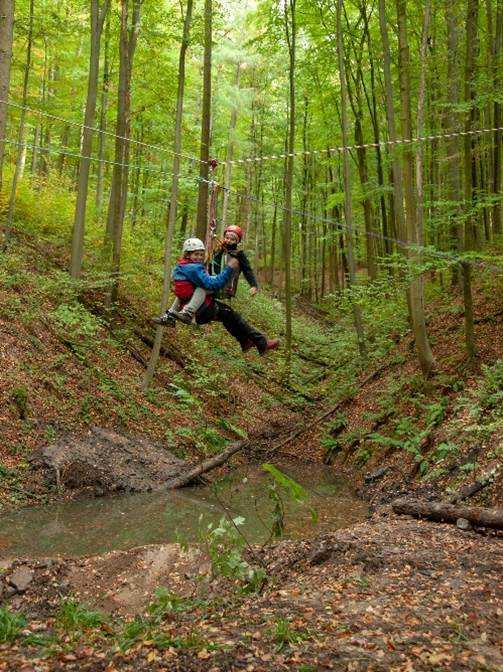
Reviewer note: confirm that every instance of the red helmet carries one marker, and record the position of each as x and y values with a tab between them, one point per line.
234	229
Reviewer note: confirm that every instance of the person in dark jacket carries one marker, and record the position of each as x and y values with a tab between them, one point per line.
190	274
229	248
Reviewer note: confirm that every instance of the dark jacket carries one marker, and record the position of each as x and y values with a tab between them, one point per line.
244	266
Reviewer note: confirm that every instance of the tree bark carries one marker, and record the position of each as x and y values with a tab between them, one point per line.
21	155
398	210
448	513
207	465
6	33
452	19
118	195
177	145
290	22
105	86
230	154
469	186
425	355
202	201
98	15
372	105
348	205
497	120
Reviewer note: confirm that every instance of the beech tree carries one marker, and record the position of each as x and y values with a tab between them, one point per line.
6	29
129	29
97	15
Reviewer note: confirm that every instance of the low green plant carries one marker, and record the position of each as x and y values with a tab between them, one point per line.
132	631
210	441
73	616
230	427
224	544
20	399
183	396
166	602
76	322
332	448
282	486
11	625
490	392
283	634
149	627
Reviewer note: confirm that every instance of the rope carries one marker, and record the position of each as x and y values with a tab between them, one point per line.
60	150
40	112
455	258
211	231
271	157
347	148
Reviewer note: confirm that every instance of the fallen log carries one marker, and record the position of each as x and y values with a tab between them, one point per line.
448	513
206	465
472	488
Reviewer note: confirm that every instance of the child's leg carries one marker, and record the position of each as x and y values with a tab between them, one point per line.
176	304
195	302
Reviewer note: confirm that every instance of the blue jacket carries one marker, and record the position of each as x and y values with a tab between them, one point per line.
196	274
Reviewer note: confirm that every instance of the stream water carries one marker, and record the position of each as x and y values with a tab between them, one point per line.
110	523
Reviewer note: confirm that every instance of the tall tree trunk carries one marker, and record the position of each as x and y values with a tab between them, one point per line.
41	166
105	86
97	18
361	155
177	145
425	355
452	19
421	98
118	195
202	201
372	106
273	242
21	155
398	210
348	205
230	154
304	282
289	7
497	186
6	31
469	185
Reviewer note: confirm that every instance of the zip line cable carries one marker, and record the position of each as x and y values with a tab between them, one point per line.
62	150
42	113
259	159
341	225
347	148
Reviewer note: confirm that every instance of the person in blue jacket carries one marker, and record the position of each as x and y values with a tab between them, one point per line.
190	274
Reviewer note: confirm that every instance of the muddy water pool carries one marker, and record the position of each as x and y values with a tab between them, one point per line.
94	526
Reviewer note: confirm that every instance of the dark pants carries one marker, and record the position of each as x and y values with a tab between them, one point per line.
233	322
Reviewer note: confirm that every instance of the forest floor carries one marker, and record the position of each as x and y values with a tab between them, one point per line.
388	594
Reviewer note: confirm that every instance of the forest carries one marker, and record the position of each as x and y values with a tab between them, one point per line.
315	483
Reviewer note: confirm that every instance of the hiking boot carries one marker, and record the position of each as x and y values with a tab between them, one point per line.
166	320
182	315
247	345
271	344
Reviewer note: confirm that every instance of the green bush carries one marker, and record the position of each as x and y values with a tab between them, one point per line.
11	625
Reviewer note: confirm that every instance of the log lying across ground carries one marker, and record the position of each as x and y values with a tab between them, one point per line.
448	513
472	488
206	465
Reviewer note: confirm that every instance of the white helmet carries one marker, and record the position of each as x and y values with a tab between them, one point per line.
193	245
